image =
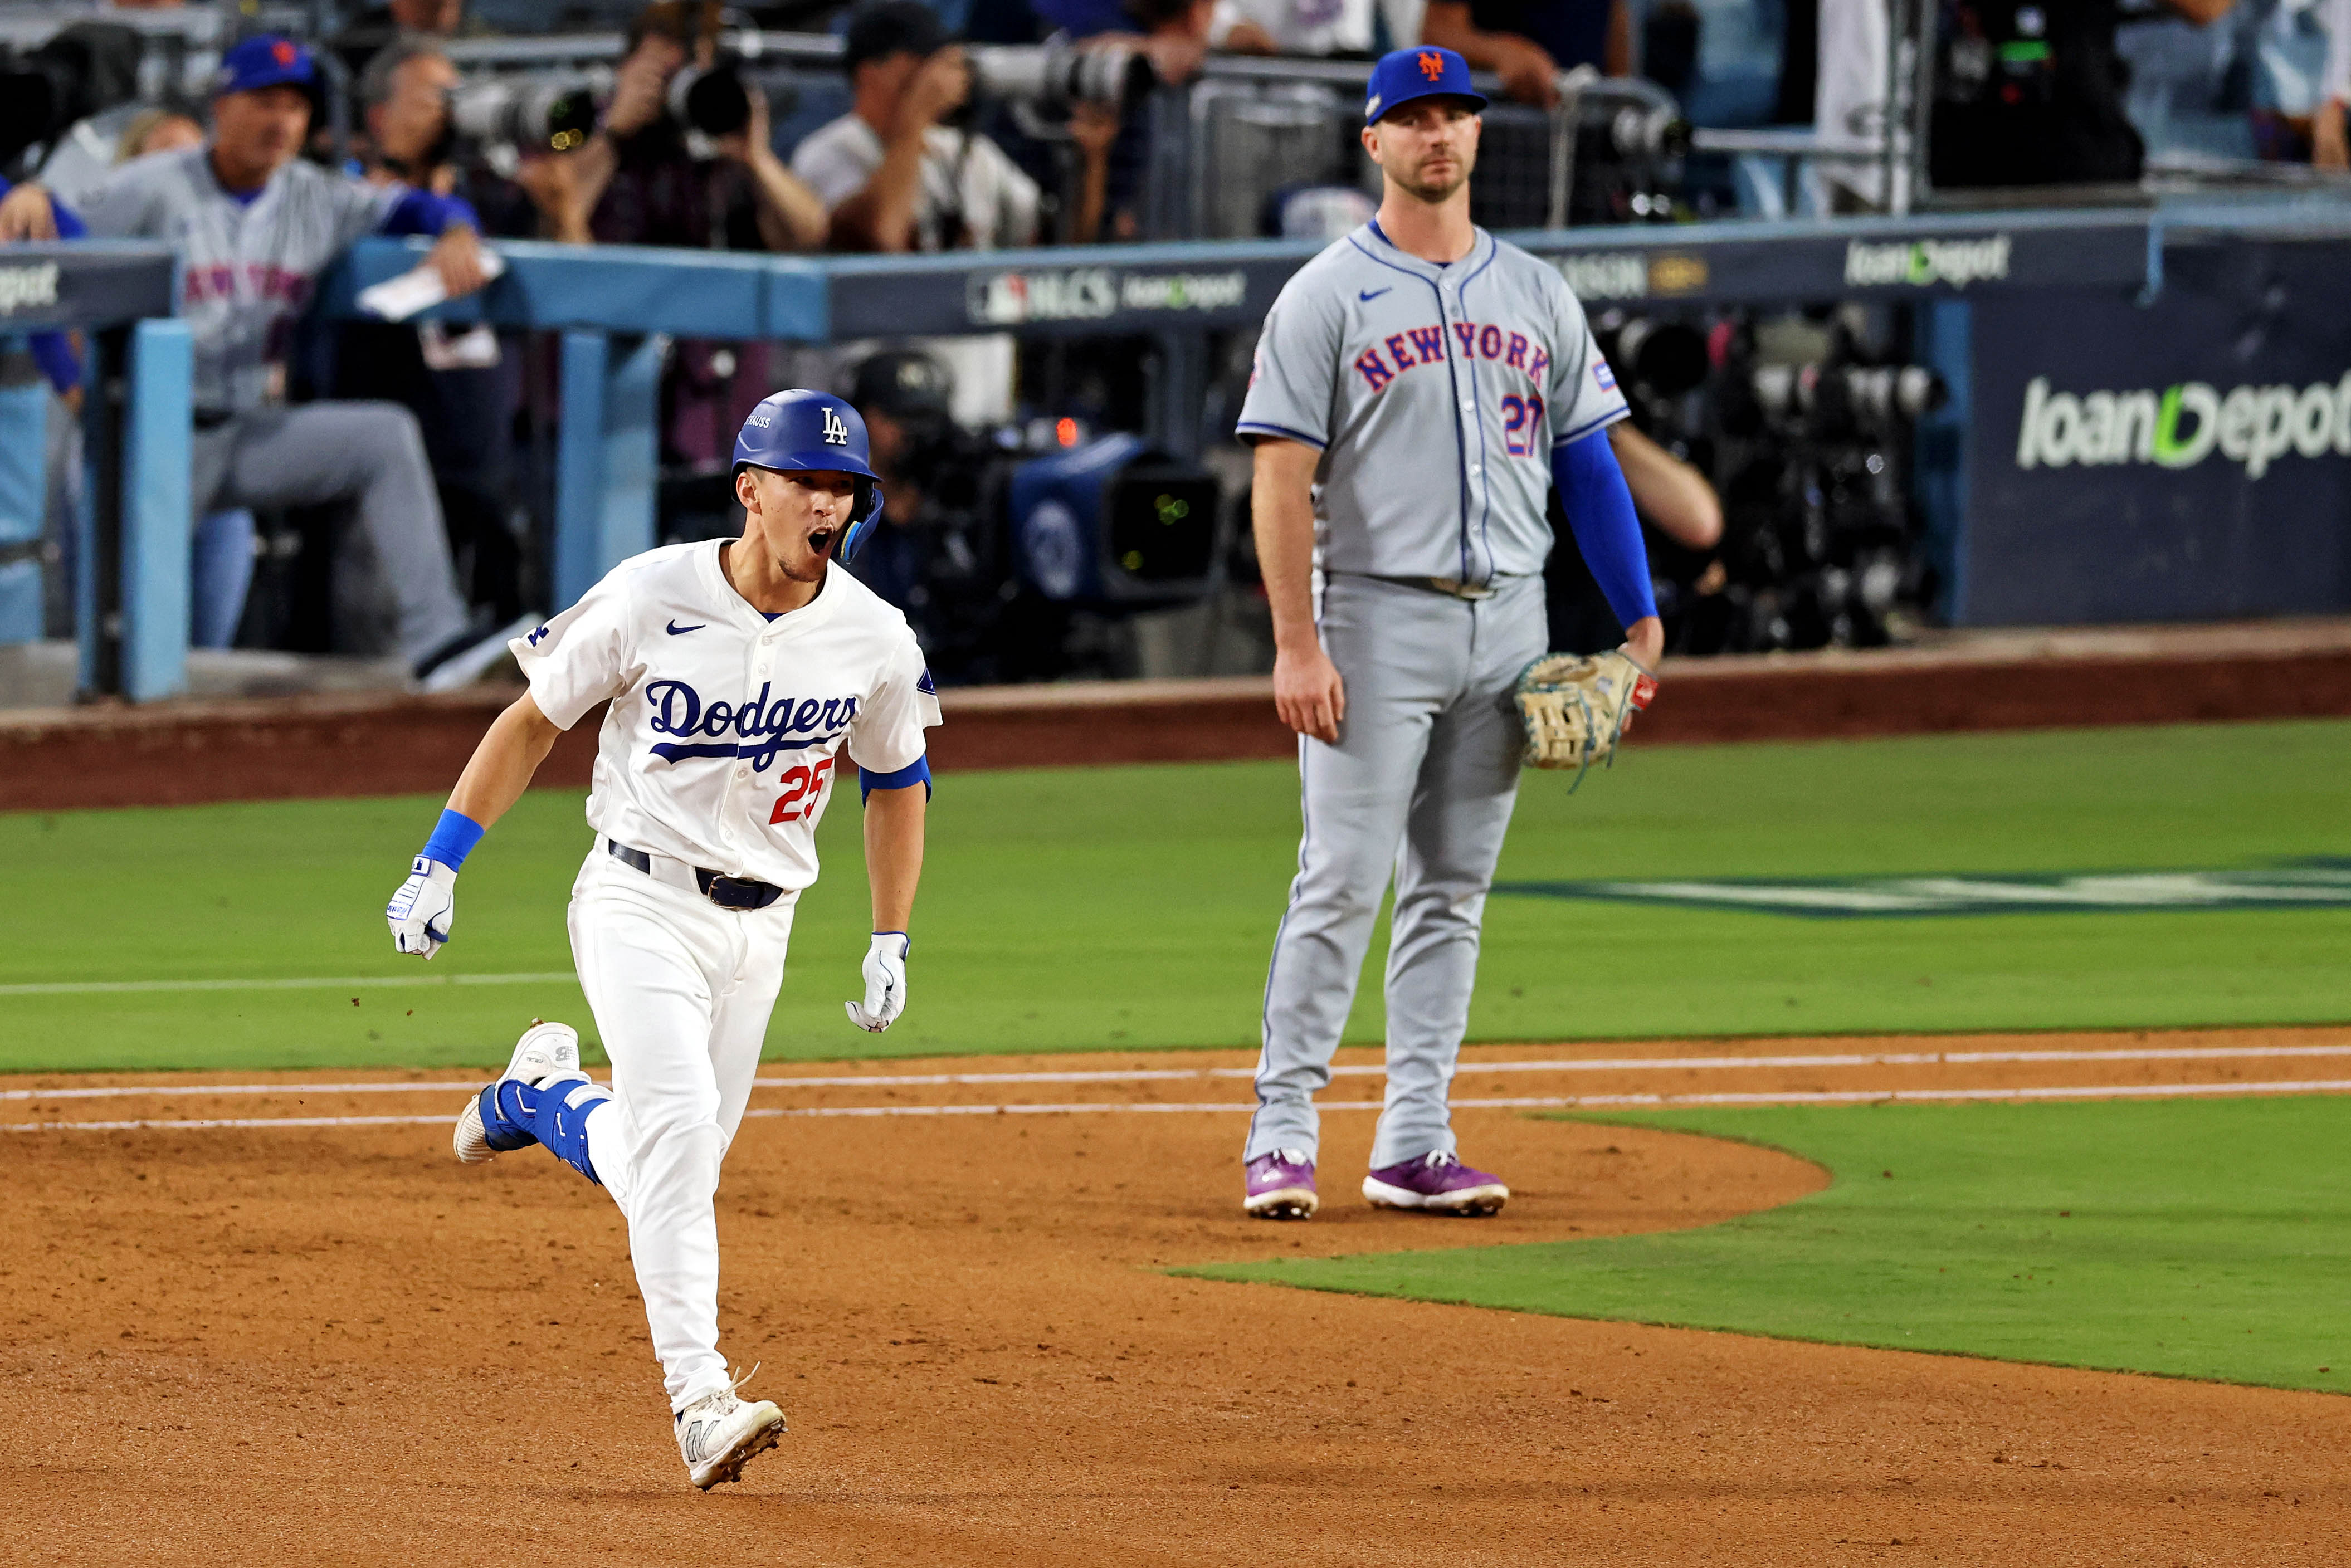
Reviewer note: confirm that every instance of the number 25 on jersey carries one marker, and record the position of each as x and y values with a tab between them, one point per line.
803	787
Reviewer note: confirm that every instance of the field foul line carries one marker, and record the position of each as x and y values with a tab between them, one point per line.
1526	1102
307	982
1162	1075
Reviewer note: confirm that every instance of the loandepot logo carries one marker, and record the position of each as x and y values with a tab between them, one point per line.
1922	263
2181	425
2311	885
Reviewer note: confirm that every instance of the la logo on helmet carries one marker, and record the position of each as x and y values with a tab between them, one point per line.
835	433
1431	65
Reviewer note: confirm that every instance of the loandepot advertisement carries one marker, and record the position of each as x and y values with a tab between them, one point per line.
2187	459
2181	425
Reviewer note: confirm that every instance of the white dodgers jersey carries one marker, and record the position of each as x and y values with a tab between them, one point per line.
727	730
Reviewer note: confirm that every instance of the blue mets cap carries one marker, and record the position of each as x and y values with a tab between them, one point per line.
267	60
1409	74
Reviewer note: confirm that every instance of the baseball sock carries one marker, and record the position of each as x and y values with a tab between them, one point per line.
561	1120
553	1112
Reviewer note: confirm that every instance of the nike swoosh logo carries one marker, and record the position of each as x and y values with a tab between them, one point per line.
678	630
1373	293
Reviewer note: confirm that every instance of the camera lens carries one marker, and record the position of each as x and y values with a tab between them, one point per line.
717	103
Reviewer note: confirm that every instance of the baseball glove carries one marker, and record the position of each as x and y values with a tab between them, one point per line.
1576	709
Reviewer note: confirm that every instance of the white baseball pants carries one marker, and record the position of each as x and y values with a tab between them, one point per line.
682	990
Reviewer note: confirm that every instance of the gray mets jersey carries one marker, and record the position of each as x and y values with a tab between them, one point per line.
250	266
1436	396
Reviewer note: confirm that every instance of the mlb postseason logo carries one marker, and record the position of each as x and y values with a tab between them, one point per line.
1631	274
1095	293
29	287
835	433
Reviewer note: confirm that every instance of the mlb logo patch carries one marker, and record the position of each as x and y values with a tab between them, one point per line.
1604	375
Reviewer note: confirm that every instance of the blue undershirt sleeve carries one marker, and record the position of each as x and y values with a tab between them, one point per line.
423	213
919	771
1600	511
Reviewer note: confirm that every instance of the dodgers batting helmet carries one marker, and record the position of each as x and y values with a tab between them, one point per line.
800	431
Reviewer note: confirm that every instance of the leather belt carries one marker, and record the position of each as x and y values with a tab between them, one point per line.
727	892
211	418
1452	586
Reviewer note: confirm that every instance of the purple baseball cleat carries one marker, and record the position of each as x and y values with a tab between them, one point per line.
1436	1184
1281	1186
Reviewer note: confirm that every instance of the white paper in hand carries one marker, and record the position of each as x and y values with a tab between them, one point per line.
397	298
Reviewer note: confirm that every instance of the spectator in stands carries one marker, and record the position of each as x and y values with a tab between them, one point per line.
452	381
377	26
2328	146
83	157
1347	29
1528	42
245	283
893	174
158	131
637	182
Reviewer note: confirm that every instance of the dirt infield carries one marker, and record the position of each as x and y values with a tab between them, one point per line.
333	1344
309	748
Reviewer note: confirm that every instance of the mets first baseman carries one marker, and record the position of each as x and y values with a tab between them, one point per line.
1420	386
738	672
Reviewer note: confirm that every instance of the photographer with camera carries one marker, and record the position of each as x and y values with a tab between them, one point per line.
901	172
256	227
637	180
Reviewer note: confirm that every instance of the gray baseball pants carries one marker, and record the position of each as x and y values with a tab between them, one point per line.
1418	788
400	584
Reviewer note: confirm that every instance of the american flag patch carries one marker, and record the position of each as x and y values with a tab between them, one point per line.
1604	375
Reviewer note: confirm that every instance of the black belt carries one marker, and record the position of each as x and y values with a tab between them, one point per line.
727	892
211	418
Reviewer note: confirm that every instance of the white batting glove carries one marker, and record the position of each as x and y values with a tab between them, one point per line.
886	983
422	912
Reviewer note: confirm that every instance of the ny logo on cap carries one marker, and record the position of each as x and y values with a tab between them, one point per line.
283	53
1432	66
835	433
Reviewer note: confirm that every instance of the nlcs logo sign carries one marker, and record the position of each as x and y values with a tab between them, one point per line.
835	433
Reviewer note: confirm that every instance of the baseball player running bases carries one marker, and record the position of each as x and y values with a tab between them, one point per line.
737	671
1418	387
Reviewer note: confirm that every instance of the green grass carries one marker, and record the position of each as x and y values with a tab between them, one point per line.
1133	908
2205	1238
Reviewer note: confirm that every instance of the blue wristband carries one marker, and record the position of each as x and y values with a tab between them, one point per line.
453	838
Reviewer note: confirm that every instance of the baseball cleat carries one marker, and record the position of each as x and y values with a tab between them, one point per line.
1280	1186
544	1050
1436	1184
718	1434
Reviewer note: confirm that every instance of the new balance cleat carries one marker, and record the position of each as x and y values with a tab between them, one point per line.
1436	1184
484	1132
718	1434
1281	1186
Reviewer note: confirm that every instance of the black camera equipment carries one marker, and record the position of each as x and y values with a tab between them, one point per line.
717	102
87	68
1819	544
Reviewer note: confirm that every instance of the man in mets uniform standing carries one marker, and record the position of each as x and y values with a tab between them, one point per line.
1418	387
